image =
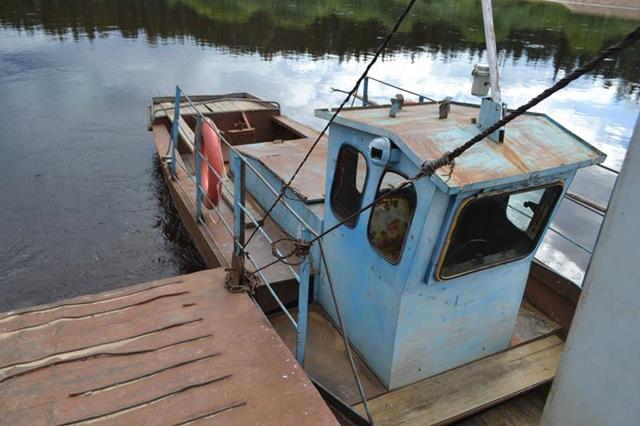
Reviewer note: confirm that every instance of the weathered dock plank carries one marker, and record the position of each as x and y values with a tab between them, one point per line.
168	352
468	389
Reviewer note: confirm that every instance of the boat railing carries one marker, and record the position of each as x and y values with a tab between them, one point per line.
579	200
365	91
240	211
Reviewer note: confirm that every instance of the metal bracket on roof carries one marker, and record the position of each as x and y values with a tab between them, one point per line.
490	112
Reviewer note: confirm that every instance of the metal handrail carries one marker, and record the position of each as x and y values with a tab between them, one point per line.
248	163
247	212
244	209
239	211
421	97
258	271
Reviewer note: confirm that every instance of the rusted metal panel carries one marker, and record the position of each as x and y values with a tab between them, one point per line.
166	352
282	158
533	144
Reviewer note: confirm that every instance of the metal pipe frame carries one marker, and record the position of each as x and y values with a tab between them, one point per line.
303	303
239	212
248	163
248	214
174	134
366	89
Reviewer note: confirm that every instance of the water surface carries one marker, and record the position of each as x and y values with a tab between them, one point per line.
83	207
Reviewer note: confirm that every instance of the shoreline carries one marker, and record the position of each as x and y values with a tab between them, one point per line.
629	9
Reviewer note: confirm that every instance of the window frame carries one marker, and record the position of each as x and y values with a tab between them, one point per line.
456	221
413	214
348	145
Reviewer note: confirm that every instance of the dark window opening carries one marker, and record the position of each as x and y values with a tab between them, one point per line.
348	184
391	217
496	229
376	153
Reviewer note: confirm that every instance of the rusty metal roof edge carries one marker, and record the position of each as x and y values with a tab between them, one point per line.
438	180
492	184
601	155
380	131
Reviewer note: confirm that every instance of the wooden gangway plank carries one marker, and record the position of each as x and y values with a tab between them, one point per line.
167	352
471	388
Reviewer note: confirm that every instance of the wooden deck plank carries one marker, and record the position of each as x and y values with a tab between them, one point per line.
185	132
41	343
228	367
523	410
213	106
30	317
462	391
69	377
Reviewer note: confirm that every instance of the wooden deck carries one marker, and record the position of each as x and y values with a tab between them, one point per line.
175	351
471	388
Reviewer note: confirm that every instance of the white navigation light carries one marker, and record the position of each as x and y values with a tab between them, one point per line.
481	80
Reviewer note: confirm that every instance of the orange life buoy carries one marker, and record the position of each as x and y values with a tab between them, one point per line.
212	155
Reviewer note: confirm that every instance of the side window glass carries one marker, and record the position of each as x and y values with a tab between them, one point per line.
496	229
348	183
391	217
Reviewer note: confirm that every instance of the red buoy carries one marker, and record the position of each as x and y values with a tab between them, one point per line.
212	159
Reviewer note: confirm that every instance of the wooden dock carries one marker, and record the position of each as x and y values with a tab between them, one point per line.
177	351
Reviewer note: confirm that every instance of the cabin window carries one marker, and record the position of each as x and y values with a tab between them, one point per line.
496	229
391	217
348	184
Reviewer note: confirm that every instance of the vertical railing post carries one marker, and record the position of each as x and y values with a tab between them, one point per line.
239	197
303	302
365	92
174	132
198	146
236	275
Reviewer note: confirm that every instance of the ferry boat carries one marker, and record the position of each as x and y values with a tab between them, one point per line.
445	310
344	286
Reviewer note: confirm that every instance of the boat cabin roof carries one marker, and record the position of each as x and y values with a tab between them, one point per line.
534	144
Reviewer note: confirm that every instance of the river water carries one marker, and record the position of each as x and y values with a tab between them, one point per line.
82	206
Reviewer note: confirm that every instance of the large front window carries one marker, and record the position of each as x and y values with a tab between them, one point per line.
495	229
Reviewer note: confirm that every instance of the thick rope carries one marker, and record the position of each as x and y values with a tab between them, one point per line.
301	247
429	167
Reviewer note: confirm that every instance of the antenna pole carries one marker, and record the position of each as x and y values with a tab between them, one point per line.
492	55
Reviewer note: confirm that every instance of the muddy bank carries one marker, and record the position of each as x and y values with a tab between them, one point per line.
621	8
